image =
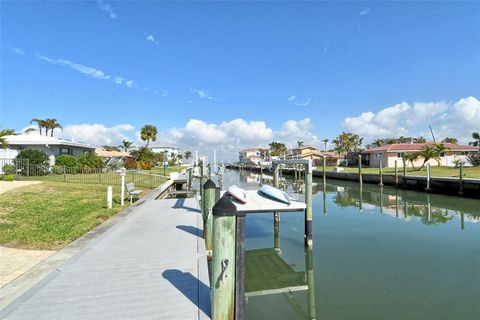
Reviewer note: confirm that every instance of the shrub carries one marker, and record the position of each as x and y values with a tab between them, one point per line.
8	177
144	154
66	160
145	165
35	157
90	160
130	164
9	169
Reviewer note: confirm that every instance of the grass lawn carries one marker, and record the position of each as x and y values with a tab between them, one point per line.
167	170
469	172
53	214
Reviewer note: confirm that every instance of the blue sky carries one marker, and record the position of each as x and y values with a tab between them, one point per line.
317	64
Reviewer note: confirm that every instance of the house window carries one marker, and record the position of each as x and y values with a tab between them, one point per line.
66	151
378	156
400	154
442	154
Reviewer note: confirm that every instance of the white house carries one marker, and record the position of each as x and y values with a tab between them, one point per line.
52	146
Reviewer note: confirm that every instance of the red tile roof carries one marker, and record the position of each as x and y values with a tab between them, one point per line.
418	147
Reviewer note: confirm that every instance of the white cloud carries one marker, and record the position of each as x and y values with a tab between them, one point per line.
298	103
202	94
89	71
293	131
364	11
96	134
458	119
107	8
228	137
17	50
151	39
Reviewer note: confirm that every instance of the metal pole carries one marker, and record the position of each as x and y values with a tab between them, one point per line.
308	201
360	168
224	259
209	189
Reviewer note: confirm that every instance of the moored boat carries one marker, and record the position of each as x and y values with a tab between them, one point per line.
238	193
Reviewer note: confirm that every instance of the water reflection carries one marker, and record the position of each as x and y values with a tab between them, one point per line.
267	273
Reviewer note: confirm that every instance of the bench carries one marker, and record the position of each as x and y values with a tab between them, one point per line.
132	191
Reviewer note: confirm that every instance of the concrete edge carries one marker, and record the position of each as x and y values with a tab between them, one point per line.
36	277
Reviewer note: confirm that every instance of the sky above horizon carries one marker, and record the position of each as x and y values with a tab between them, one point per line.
229	75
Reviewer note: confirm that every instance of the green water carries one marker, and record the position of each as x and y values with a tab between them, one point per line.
377	254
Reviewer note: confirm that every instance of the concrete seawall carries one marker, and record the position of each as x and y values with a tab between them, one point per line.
442	185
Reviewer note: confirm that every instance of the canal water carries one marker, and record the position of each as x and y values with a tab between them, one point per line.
378	253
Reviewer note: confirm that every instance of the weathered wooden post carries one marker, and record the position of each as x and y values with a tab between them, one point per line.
189	179
276	215
64	174
460	191
380	173
404	169
324	169
428	178
308	202
203	179
224	259
276	237
310	283
209	189
360	168
396	173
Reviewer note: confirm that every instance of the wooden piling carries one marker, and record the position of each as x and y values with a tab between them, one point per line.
223	260
396	173
189	179
203	179
209	189
460	191
308	202
380	173
310	273
428	178
276	215
360	168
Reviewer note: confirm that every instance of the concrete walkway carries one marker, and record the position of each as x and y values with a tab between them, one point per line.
10	185
15	262
150	265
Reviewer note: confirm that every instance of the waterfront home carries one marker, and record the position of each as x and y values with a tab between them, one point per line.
250	156
313	153
387	155
111	155
52	146
170	151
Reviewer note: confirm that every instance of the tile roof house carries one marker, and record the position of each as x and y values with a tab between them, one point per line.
387	154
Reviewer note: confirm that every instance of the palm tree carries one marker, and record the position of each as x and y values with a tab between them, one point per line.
28	130
476	143
419	140
347	142
187	155
450	140
325	141
411	157
148	133
52	124
300	143
440	150
125	145
41	124
379	142
402	139
5	132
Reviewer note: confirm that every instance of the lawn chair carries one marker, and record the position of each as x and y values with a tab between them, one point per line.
133	192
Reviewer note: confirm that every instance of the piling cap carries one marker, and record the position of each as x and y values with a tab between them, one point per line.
224	207
209	184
